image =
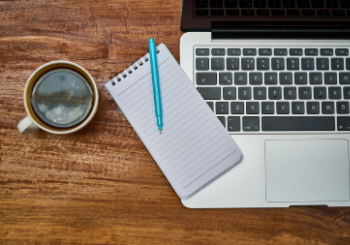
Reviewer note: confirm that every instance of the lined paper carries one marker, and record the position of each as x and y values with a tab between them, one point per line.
194	148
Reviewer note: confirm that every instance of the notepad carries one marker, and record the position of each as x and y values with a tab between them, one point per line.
194	147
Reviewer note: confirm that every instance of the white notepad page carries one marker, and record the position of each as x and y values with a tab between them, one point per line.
194	148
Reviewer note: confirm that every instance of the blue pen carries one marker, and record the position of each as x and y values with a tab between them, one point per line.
155	81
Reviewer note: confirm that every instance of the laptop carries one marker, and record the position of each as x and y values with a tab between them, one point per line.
277	75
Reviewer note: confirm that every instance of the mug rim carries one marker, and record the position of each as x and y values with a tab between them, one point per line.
84	122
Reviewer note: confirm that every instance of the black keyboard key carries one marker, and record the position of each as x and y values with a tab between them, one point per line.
344	78
290	93
274	3
307	64
249	51
222	120
341	52
206	79
311	52
317	4
277	64
217	64
301	123
322	64
218	52
232	12
343	107
245	3
263	12
270	78
267	108
217	12
216	3
328	107
337	64
201	3
211	105
234	124
202	51
308	12
338	12
221	107
202	64
252	107
333	4
265	51
232	64
289	4
345	4
229	93
323	13
244	93
259	3
280	51
259	93
240	78
202	12
298	108
255	78
275	93
303	3
225	78
210	93
231	3
343	123
334	93
326	52
247	64
282	107
293	12
313	107
346	92
330	78
251	124
300	78
305	93
234	52
315	77
286	78
237	108
292	64
296	51
263	64
320	93
277	12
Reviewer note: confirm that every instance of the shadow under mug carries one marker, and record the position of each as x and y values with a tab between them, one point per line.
32	122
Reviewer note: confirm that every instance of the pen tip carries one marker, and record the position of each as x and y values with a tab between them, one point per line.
160	131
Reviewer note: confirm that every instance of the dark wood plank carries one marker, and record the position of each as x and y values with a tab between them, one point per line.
101	185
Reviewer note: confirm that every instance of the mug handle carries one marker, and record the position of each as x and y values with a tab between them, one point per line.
27	126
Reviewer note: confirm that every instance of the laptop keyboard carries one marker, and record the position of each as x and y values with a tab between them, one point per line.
276	89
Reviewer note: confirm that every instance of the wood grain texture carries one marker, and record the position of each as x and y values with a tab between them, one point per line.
101	185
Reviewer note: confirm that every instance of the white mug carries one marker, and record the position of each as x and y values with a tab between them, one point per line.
32	122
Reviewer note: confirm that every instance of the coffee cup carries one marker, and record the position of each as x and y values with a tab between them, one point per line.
60	97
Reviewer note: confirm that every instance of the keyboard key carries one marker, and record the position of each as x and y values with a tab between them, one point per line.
345	4
274	3
265	51
317	4
343	107
277	64
221	108
311	52
289	4
202	64
237	107
326	52
293	12
270	78
348	62
202	12
275	93
301	123
280	51
263	12
346	92
202	51
286	78
307	64
305	93
344	78
338	12
201	3
240	78
344	123
328	107
290	93
308	12
337	64
251	124
252	107
267	108
255	78
323	13
245	3
217	64
248	64
211	105
232	64
259	3
330	78
234	51
210	93
300	78
322	64
231	3
259	93
216	3
222	120
296	51
303	4
229	93
313	107
292	64
315	77
277	12
206	78
341	52
249	51
234	124
244	93
263	64
282	107
334	93
298	108
225	78
232	12
332	3
218	51
320	93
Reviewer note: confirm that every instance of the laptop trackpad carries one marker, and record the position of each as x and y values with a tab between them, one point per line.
307	170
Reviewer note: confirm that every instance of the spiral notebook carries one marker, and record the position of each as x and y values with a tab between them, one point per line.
194	148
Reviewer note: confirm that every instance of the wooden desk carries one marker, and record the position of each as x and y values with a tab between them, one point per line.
101	185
